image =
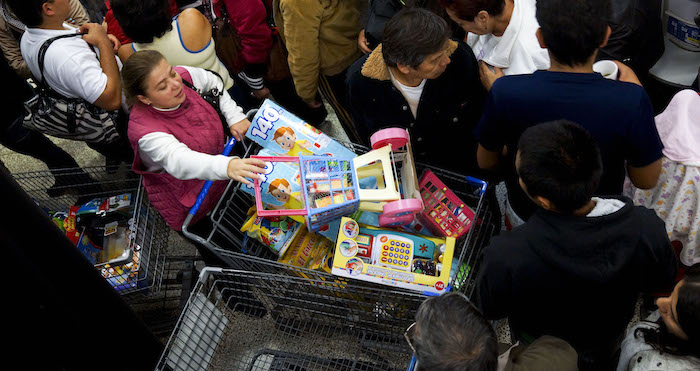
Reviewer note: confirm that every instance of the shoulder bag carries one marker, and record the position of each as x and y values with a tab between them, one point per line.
70	118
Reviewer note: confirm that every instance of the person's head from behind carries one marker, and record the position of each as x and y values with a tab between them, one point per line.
33	13
680	312
573	30
450	334
475	16
559	165
143	20
415	43
148	78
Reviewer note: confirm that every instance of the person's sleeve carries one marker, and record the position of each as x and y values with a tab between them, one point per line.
470	78
82	74
205	81
302	21
642	142
249	19
358	105
180	161
489	131
78	13
493	289
11	51
661	264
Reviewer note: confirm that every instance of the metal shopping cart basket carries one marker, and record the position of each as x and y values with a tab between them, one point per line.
239	320
149	234
239	252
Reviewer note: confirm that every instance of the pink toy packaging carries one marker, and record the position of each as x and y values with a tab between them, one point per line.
445	214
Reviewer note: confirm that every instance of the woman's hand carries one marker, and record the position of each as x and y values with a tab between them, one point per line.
239	129
240	169
362	42
488	77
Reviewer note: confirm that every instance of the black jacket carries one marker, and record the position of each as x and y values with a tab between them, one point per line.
449	108
381	11
576	278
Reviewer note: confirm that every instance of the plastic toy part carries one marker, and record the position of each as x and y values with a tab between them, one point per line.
371	158
397	209
397	137
388	221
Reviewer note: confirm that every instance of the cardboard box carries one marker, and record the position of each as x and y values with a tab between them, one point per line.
392	258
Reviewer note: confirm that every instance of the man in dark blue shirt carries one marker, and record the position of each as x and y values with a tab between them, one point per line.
618	114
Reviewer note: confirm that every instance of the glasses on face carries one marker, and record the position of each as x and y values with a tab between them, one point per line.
409	334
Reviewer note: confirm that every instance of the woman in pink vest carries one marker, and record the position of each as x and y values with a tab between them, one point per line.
178	137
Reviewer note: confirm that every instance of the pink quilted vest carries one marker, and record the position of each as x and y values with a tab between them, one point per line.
195	124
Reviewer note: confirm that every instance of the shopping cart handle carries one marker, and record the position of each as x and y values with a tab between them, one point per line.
205	189
477	182
412	365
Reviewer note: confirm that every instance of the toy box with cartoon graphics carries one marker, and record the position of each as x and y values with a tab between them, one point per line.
389	257
280	187
278	130
308	250
277	233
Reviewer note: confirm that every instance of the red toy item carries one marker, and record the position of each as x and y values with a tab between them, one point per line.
444	214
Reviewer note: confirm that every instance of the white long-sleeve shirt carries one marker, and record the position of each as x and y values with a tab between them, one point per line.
162	152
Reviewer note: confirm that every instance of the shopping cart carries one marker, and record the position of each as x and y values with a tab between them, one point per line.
149	237
239	252
238	320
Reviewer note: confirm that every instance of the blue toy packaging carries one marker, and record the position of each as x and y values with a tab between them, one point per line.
284	134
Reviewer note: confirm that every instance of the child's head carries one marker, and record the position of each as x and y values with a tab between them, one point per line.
681	311
280	189
573	30
559	165
285	137
679	331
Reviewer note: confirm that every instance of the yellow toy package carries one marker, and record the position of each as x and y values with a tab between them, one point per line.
308	250
385	256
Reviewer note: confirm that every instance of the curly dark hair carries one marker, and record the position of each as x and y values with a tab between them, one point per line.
143	20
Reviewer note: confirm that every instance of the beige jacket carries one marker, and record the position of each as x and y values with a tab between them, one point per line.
321	38
10	45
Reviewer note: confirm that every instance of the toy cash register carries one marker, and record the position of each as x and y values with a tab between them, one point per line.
393	251
385	256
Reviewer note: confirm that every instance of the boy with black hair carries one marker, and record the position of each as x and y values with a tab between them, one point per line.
575	269
618	114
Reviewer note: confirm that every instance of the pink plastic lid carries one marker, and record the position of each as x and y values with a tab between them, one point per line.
396	209
397	137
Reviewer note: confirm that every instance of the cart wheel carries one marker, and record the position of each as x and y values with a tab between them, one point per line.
397	137
387	221
397	209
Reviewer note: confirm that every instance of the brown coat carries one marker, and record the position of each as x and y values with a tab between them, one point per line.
10	44
321	38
